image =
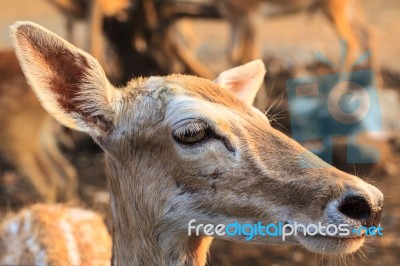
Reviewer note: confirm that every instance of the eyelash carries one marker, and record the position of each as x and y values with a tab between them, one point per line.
193	128
190	129
189	134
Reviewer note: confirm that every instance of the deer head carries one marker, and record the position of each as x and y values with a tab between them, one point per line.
181	147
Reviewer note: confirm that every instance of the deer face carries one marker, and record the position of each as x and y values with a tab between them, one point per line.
183	148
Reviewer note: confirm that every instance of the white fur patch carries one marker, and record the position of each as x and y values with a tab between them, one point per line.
76	214
13	227
34	247
73	252
28	221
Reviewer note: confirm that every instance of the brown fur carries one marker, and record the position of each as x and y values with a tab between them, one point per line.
346	16
54	235
243	170
29	136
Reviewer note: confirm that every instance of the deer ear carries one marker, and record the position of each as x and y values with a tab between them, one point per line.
244	81
70	83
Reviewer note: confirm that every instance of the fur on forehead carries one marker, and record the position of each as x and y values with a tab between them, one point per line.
167	87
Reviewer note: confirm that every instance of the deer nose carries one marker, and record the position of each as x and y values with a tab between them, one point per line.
359	209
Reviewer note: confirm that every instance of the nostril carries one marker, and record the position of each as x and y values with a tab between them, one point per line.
356	207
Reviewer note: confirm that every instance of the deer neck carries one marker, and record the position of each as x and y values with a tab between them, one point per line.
140	237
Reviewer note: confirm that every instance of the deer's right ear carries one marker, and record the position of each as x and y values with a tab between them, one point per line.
244	81
70	83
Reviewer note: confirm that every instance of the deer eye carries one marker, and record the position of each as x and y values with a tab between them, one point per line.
191	133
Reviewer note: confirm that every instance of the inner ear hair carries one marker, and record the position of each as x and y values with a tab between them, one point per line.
69	82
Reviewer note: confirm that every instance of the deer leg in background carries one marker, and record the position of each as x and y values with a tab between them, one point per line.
159	44
236	47
350	25
180	35
70	29
96	32
339	11
245	40
252	42
98	10
171	41
67	177
368	40
246	46
30	164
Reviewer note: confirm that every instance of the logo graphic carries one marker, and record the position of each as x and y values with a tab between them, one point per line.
335	105
282	230
368	231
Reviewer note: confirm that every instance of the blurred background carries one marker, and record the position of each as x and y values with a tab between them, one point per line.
297	39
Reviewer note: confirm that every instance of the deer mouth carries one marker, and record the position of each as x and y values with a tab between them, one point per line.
321	239
331	244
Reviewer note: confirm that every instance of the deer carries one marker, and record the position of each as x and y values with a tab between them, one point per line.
93	12
345	15
30	137
158	35
245	18
180	148
54	234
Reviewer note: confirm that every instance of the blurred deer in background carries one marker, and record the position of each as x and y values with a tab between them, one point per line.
170	44
157	35
168	39
93	13
29	136
160	33
54	235
245	17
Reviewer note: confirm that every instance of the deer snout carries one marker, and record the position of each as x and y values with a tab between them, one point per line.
358	207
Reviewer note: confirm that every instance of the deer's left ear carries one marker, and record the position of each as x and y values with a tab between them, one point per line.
244	81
